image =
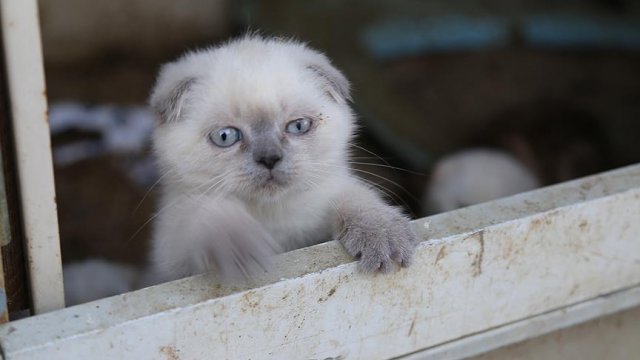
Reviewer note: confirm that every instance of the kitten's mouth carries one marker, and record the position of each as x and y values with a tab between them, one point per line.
273	180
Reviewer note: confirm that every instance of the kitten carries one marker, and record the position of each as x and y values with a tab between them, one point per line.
474	176
252	142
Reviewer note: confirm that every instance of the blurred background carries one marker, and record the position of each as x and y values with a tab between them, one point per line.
460	101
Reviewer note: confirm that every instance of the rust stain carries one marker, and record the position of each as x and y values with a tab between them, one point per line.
171	352
251	300
537	222
441	254
477	261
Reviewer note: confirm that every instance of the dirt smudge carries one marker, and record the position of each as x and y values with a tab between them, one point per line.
476	265
441	253
171	352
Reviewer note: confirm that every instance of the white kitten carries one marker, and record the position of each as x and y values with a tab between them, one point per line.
475	176
253	144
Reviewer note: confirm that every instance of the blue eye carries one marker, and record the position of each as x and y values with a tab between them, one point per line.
299	126
225	137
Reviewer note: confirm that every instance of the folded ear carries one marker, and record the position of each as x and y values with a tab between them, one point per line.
170	95
336	84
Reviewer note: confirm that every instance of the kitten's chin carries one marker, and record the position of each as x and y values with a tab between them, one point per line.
271	186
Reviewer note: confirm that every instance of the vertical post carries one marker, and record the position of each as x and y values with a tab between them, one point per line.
28	103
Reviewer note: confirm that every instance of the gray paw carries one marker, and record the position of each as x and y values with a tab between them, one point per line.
379	237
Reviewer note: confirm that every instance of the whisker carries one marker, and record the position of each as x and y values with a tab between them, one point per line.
155	215
151	188
387	166
221	178
370	174
332	204
386	191
390	181
369	152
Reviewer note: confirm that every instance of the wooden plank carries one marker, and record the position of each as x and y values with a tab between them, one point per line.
549	250
28	103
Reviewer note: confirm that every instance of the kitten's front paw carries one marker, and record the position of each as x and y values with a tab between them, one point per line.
379	237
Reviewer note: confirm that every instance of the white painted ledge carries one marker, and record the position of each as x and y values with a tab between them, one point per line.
486	276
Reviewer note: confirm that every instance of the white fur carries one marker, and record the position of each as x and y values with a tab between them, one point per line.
236	83
474	176
221	209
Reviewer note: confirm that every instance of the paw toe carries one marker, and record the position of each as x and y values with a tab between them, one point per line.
372	265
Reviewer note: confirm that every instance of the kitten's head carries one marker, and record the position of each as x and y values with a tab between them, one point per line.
256	118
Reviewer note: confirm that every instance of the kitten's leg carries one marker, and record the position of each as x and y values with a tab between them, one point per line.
375	232
195	236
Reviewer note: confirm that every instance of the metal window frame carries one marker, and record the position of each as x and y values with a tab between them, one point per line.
28	103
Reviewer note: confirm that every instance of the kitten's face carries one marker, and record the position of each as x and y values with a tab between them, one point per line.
256	122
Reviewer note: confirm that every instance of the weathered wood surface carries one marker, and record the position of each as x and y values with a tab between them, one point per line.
479	269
